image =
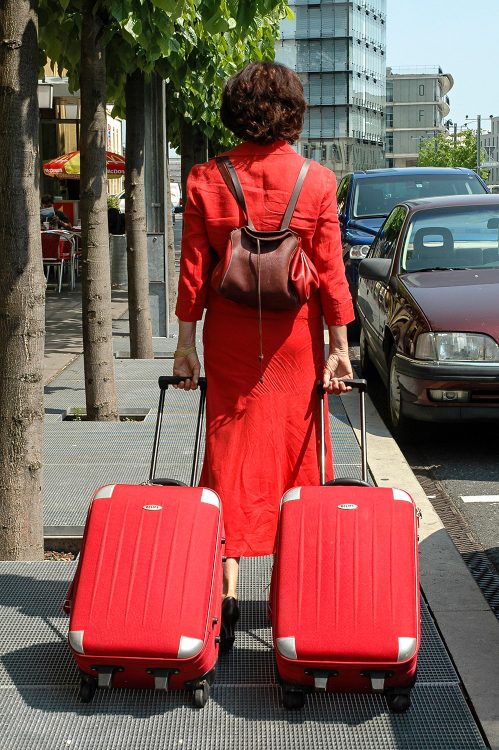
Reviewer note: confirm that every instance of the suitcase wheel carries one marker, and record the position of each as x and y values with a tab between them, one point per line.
88	686
201	694
399	702
293	699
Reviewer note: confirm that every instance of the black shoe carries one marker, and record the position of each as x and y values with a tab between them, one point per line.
230	616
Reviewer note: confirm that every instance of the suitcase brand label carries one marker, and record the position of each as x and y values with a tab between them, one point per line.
348	506
152	507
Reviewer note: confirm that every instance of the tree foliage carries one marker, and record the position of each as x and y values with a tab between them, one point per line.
195	45
196	77
445	151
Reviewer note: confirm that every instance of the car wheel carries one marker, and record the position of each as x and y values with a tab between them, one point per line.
399	423
366	366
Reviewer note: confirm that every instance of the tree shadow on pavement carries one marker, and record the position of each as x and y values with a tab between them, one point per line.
31	613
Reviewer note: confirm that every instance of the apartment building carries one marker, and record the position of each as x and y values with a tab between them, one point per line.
416	107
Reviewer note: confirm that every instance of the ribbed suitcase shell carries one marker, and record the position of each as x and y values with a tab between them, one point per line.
345	588
147	591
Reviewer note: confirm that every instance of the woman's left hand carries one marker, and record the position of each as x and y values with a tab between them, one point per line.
337	368
189	367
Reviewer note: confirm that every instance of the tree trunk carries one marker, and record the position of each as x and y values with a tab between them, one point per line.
100	387
22	288
194	148
135	211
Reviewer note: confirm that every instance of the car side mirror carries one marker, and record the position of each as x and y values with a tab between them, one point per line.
375	269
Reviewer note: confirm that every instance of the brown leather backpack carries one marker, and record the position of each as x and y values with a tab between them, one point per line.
266	270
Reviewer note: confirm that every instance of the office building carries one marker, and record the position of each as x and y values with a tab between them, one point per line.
338	50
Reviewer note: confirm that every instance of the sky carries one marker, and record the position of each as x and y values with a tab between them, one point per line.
460	36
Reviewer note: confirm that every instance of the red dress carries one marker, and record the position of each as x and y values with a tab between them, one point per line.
261	438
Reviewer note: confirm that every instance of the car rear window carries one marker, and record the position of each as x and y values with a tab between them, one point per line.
452	238
377	196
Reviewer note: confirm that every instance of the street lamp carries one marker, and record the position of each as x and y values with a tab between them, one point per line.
45	93
478	139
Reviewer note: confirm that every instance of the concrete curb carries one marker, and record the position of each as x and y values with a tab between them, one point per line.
469	628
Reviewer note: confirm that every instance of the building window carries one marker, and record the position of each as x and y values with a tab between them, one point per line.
421	115
389	119
324	153
421	89
305	150
389	91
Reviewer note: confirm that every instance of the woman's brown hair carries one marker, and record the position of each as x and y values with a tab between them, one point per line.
263	103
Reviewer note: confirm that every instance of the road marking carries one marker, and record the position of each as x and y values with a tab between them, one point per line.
480	498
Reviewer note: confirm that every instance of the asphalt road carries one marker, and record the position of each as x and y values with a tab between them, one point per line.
452	462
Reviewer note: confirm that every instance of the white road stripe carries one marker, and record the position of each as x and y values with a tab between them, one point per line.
480	498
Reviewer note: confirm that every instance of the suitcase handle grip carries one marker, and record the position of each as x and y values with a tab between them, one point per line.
165	380
358	383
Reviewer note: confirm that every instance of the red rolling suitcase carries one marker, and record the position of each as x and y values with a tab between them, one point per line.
145	602
344	598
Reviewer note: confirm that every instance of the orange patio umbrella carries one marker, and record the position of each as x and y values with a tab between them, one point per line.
67	166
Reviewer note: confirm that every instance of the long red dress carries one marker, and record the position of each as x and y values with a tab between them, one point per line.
261	438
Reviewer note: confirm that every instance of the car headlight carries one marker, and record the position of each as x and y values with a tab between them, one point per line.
456	347
357	252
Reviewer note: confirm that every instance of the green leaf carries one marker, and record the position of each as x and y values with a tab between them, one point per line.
167	5
173	44
118	10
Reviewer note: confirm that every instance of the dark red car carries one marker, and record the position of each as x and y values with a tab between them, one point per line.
428	305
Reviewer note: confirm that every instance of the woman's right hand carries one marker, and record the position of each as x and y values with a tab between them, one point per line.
189	366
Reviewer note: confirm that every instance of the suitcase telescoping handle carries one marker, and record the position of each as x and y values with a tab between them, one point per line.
164	381
361	385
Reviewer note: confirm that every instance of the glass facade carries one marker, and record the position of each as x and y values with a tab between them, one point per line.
338	49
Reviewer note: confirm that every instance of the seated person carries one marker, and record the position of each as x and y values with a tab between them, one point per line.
56	219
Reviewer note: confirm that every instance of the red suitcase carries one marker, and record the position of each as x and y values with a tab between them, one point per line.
145	602
345	588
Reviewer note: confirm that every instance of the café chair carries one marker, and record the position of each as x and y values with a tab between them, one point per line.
58	250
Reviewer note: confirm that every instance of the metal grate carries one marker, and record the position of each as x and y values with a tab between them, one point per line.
40	719
41	711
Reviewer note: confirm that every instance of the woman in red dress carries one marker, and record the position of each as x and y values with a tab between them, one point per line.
261	437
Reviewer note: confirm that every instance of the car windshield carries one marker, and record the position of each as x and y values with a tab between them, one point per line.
452	238
376	196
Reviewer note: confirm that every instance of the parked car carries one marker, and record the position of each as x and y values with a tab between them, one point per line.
365	199
428	305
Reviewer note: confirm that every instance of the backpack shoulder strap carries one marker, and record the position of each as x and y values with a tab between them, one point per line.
295	195
229	174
